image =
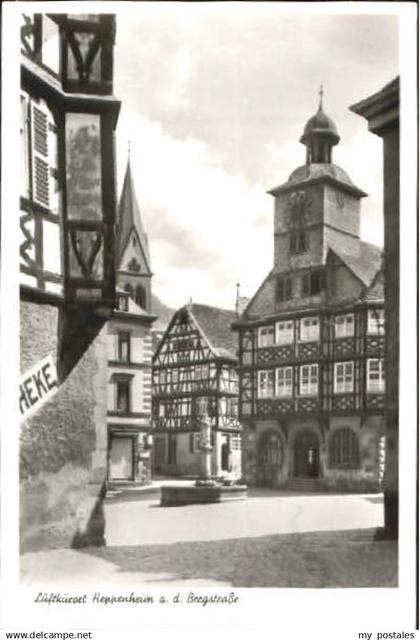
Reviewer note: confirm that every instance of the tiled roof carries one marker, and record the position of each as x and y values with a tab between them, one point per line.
128	217
375	291
364	260
315	172
216	326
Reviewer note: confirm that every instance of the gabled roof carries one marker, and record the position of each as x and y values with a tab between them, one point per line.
375	291
129	218
215	324
363	261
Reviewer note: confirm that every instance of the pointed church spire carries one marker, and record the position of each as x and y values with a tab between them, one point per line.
130	220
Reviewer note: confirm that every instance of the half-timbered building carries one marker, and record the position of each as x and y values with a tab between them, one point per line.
130	349
195	373
67	275
311	340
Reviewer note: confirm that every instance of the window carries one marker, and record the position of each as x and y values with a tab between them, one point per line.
140	296
375	376
344	326
284	332
122	303
309	329
298	242
133	265
124	346
265	336
123	396
344	448
201	372
313	283
228	379
39	153
343	377
283	288
309	380
129	289
265	384
228	407
284	382
376	322
270	450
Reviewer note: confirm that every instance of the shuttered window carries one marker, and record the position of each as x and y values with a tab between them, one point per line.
40	166
45	187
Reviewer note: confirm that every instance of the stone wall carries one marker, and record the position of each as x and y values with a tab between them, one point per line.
63	446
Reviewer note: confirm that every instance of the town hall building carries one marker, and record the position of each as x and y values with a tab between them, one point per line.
311	340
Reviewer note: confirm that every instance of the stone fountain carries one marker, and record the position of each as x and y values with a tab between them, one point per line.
204	490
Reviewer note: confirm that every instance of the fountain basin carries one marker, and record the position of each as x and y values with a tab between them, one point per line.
176	496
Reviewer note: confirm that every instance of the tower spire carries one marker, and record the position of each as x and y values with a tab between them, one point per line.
320	135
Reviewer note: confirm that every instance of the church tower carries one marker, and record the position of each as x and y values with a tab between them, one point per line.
133	258
319	206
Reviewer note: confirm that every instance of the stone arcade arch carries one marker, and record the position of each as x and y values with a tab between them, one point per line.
271	456
306	449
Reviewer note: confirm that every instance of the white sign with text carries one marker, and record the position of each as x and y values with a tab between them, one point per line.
37	385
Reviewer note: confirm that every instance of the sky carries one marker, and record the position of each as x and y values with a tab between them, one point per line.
215	97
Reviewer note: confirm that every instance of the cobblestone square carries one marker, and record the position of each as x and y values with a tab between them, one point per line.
272	539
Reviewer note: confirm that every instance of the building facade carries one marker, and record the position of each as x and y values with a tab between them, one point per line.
67	275
195	373
311	341
382	112
129	341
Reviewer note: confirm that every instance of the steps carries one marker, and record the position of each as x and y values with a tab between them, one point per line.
303	485
130	490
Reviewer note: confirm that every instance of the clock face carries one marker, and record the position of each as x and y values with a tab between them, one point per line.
298	209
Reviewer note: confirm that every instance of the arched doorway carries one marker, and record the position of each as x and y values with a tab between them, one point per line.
270	459
306	454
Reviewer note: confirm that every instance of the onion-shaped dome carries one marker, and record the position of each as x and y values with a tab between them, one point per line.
320	126
320	123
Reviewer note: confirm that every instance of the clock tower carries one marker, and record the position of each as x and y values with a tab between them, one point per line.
318	206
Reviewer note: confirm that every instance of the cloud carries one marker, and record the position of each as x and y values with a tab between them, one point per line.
205	226
216	100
